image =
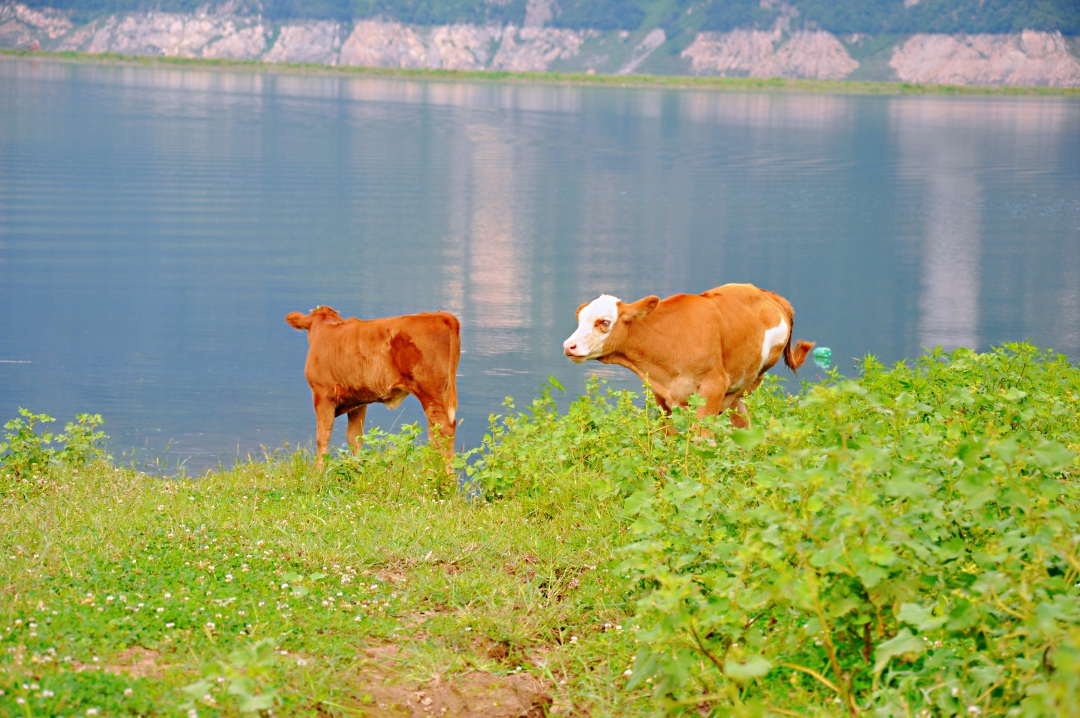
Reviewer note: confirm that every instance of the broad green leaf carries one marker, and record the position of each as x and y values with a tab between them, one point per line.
316	576
292	577
1051	456
921	618
748	438
198	690
903	643
753	666
970	450
636	501
1014	394
263	701
242	686
1006	450
881	554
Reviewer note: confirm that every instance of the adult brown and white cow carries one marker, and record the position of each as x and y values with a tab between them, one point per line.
353	363
717	344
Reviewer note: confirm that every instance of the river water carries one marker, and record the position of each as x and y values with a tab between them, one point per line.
156	225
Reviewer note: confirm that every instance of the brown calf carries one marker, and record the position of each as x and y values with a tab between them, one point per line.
717	344
353	363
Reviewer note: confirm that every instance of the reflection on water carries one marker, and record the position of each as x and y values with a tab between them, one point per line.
157	224
497	284
831	113
945	160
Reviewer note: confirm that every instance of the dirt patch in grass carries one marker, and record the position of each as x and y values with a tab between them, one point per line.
136	662
475	694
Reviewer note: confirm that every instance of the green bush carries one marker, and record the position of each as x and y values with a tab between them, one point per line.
25	454
902	545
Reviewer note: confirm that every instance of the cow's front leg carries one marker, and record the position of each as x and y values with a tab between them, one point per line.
355	432
324	427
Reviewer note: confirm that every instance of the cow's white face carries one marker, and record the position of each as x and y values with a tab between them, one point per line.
595	321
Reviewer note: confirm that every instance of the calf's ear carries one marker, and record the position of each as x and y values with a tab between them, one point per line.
298	320
577	314
639	309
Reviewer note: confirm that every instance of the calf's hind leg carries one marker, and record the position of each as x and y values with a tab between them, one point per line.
438	414
355	431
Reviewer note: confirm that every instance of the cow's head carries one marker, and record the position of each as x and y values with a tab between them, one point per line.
316	315
600	323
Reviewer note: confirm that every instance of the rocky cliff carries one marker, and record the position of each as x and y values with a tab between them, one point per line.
1025	58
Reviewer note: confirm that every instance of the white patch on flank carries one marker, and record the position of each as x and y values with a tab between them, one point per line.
588	341
775	337
453	413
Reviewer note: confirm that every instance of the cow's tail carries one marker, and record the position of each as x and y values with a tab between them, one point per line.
794	356
453	357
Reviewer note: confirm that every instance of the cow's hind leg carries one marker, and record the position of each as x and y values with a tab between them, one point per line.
355	432
713	392
438	415
740	415
325	410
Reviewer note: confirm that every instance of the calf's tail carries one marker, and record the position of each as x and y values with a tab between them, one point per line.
451	375
793	356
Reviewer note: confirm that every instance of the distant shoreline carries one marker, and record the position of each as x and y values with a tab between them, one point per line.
679	82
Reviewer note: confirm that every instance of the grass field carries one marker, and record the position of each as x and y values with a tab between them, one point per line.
907	544
729	84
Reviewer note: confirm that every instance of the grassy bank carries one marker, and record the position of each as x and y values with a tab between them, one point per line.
729	84
905	544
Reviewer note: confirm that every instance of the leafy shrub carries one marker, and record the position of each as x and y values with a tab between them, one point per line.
387	463
602	432
906	544
25	453
244	678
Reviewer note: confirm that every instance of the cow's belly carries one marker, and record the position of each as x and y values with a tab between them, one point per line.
682	388
395	398
349	398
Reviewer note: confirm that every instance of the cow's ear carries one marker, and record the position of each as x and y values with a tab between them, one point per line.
639	309
298	320
577	314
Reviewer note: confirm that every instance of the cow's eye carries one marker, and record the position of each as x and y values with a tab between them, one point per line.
603	324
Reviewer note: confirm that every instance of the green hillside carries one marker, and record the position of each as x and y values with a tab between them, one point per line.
675	16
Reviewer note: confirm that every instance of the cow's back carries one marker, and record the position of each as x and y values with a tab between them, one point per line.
425	346
380	354
748	314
